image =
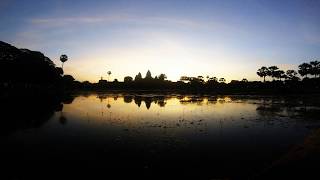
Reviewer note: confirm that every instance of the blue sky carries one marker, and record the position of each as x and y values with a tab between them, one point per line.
230	39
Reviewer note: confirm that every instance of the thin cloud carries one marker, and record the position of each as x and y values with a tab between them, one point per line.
77	20
115	19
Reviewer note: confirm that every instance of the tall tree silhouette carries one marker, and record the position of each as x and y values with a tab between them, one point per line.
109	73
263	72
127	79
280	74
292	75
304	69
63	59
162	77
315	68
273	71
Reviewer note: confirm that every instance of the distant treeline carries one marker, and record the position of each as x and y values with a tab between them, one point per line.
199	84
22	69
282	82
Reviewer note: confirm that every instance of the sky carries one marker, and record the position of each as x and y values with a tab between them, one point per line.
225	38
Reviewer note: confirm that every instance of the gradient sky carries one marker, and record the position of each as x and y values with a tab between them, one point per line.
230	39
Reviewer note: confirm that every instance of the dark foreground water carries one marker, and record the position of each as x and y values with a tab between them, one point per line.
153	135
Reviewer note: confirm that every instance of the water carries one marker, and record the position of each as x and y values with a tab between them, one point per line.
201	136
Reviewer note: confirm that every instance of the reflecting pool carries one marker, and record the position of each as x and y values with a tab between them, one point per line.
200	136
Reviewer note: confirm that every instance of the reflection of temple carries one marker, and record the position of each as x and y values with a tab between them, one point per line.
147	101
160	100
137	100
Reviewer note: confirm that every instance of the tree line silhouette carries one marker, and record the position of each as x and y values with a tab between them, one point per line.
282	82
22	69
305	69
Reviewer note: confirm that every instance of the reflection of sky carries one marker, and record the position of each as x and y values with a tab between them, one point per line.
179	117
175	118
228	39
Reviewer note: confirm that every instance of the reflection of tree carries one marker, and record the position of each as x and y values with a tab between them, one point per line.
67	99
105	96
221	101
212	100
192	100
269	110
161	103
32	111
102	97
291	106
312	113
270	107
63	120
180	97
59	107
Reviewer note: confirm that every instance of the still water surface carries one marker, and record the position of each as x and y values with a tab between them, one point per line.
211	136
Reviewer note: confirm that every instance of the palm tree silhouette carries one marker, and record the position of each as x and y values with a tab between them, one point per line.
263	72
273	72
315	68
63	58
280	74
109	73
304	69
292	75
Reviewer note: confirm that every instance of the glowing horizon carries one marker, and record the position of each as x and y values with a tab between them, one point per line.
229	39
